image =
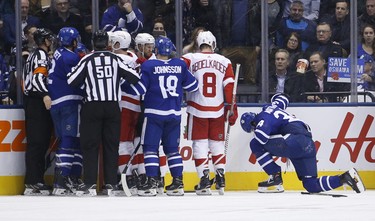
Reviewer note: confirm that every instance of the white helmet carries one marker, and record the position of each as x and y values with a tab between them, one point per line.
123	38
206	37
144	38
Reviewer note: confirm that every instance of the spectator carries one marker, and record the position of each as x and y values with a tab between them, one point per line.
61	17
293	46
311	9
368	75
324	43
316	81
296	23
28	31
10	27
368	17
4	76
192	47
122	16
284	81
37	104
158	29
340	23
327	8
367	45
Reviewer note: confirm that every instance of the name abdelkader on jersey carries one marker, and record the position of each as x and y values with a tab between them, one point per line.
209	64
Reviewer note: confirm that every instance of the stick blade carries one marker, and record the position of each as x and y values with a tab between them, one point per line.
125	185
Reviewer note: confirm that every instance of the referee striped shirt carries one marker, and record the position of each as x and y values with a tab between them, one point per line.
35	73
100	73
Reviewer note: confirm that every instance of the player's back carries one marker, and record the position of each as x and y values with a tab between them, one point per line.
164	81
213	72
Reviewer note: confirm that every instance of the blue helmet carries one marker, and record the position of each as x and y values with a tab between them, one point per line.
247	121
67	35
165	46
281	100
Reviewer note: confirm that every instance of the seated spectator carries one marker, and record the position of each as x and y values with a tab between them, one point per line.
316	81
327	8
296	23
61	17
368	16
293	46
311	7
4	87
9	28
368	75
340	23
28	31
158	29
283	81
324	43
122	16
193	46
367	45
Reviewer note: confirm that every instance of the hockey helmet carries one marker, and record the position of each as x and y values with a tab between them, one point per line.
206	37
121	37
281	100
144	38
164	46
67	35
100	39
247	121
41	34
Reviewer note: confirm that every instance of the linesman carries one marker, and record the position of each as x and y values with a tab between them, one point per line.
100	73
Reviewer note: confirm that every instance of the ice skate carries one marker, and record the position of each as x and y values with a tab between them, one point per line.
131	181
148	188
274	184
204	186
220	181
160	188
176	188
86	190
352	179
62	185
39	189
113	190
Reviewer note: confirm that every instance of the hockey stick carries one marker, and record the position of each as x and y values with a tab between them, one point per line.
123	173
52	147
238	66
324	194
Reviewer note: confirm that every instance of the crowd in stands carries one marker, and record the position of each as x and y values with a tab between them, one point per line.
301	27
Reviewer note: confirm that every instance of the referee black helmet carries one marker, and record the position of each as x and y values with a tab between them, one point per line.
100	39
41	34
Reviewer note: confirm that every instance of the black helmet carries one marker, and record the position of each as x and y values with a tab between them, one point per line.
42	33
100	39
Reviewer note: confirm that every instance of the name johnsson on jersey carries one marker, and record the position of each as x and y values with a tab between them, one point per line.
167	69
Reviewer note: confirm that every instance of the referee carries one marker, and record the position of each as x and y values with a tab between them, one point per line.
100	73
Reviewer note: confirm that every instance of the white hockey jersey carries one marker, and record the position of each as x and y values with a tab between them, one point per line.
213	72
128	101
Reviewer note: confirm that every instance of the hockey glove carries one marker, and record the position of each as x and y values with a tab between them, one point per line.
232	116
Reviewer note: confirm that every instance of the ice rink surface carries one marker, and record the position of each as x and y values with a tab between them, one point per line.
244	205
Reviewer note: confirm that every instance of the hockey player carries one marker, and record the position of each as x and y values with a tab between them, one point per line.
66	103
130	108
206	118
278	133
162	83
144	45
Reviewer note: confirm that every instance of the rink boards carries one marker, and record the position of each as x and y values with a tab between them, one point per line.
344	137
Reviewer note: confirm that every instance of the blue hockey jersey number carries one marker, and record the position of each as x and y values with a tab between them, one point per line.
168	85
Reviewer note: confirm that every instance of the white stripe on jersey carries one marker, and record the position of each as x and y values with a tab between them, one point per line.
162	112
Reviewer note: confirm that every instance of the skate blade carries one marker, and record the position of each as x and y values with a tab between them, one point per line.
61	192
221	191
37	193
203	192
160	190
84	194
177	192
271	189
358	181
150	192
